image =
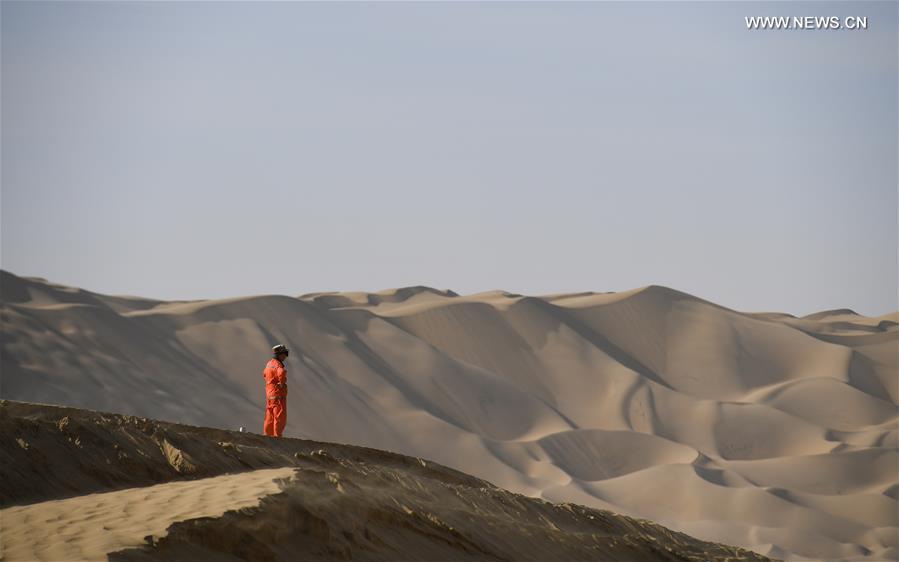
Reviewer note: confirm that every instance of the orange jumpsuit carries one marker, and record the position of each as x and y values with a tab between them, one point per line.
275	376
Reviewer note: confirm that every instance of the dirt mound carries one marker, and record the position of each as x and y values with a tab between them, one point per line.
335	502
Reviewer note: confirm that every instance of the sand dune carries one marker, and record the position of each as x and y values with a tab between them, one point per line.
761	430
91	526
326	502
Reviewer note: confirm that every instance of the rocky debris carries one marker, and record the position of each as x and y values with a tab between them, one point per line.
52	452
178	459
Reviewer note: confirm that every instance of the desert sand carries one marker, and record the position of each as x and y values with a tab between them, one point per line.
761	430
98	486
89	527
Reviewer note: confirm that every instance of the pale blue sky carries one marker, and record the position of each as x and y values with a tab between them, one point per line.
188	150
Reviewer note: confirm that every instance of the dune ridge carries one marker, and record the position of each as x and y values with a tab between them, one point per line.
96	486
761	430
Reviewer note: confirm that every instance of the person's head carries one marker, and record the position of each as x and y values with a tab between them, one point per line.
280	352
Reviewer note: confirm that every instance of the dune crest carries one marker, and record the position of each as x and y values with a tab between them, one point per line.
323	502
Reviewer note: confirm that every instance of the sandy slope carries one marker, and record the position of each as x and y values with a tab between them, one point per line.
90	526
327	502
763	430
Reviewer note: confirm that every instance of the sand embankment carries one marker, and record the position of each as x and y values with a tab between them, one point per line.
324	502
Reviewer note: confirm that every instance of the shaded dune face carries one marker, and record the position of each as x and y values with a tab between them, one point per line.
83	485
760	430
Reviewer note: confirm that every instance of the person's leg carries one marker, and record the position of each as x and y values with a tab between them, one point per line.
268	426
280	417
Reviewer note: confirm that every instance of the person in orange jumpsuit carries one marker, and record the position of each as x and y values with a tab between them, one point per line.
275	375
